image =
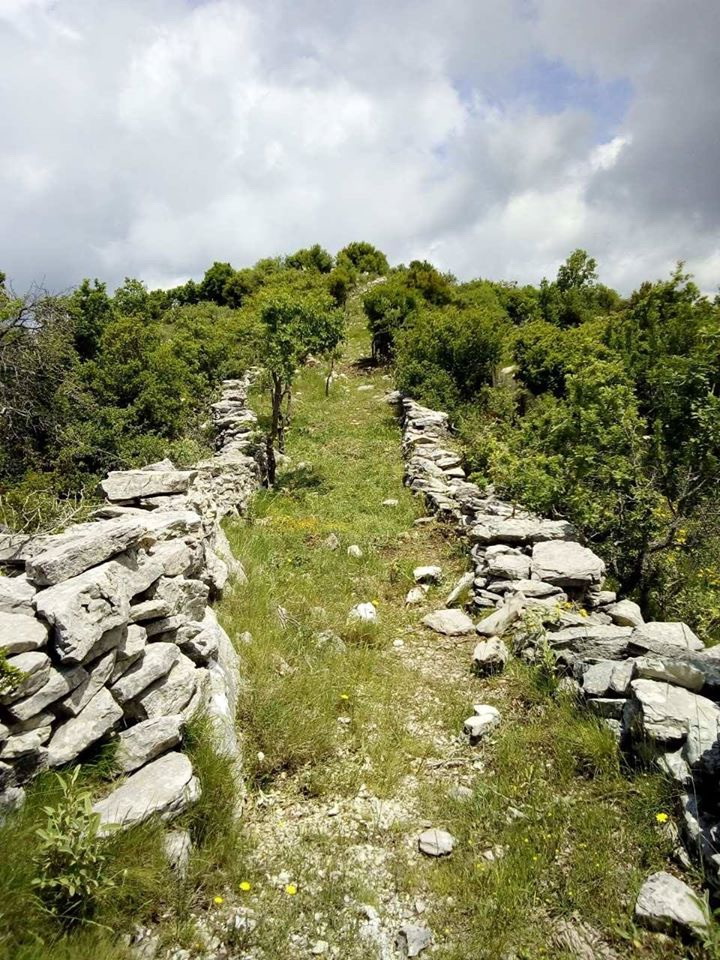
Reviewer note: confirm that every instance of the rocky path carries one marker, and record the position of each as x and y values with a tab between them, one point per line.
372	826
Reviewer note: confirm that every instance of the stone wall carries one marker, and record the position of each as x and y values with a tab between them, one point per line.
111	626
536	590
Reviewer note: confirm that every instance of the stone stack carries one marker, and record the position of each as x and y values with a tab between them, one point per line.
110	628
540	591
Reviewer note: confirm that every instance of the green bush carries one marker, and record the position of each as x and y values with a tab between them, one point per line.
70	862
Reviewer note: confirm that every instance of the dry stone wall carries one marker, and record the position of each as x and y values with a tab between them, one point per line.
110	626
535	589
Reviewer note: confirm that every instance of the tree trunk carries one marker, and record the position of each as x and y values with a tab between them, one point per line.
275	436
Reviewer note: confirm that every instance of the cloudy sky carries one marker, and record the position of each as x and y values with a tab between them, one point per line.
150	137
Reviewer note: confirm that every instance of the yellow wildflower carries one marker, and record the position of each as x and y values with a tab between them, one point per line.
344	696
245	886
661	817
291	889
218	900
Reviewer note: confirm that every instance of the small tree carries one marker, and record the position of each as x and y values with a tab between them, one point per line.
297	322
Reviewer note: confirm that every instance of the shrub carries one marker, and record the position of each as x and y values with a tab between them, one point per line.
70	860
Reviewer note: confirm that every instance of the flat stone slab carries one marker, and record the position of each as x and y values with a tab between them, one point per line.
672	714
450	622
520	530
165	787
16	595
667	904
147	740
566	564
508	566
59	684
436	843
85	545
92	723
131	484
157	661
35	669
675	633
677	672
21	633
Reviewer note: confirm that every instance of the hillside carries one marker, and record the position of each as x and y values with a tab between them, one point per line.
391	783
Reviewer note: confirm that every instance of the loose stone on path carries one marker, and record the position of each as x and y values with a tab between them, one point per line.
436	843
451	623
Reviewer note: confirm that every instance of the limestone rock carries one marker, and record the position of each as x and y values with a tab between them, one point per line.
129	650
412	939
222	548
520	530
461	588
147	740
677	672
178	847
332	542
485	719
172	692
216	572
59	684
157	661
176	557
430	574
16	596
35	667
173	596
165	787
83	608
416	595
363	612
566	564
451	623
199	641
501	619
26	746
99	672
535	589
130	484
677	634
490	656
608	677
436	843
83	546
508	566
667	904
97	719
625	613
354	551
671	714
20	633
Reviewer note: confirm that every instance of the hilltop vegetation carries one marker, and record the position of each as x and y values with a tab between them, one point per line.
580	404
569	398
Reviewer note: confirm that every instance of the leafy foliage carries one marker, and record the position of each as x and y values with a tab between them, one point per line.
70	860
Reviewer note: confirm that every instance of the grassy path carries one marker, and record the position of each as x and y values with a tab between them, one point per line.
352	737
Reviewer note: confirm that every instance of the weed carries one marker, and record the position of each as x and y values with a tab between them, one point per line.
70	862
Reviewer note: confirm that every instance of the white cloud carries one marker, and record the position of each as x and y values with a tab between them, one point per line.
150	137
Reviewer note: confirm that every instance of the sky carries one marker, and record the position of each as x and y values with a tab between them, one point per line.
148	138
